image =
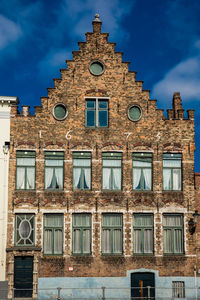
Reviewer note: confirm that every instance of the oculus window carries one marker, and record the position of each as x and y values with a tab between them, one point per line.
96	67
111	171
54	163
82	170
53	234
60	111
96	112
142	171
24	229
173	233
134	113
25	170
143	233
81	233
112	233
172	171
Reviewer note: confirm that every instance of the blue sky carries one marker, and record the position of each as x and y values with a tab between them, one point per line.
161	39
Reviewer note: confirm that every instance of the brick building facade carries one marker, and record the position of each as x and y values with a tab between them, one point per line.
101	184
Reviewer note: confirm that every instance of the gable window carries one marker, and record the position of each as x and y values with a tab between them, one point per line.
178	289
111	171
53	234
82	170
96	112
25	170
142	171
112	233
54	162
81	233
24	229
143	233
172	171
173	233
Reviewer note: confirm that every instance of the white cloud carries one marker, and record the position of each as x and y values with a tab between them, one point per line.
9	32
183	78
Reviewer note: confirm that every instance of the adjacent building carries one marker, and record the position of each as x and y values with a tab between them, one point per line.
101	186
5	107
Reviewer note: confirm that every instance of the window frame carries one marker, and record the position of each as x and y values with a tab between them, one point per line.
178	289
172	229
78	156
112	229
53	228
142	155
49	155
112	156
143	228
24	217
25	154
96	111
81	228
173	156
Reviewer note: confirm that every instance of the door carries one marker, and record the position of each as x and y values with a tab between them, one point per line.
142	286
23	276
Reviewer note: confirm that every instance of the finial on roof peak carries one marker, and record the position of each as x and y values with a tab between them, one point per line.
96	18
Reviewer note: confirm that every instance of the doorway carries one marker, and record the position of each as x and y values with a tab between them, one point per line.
143	286
23	276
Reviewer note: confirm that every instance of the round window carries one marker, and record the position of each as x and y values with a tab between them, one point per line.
60	111
134	113
24	229
96	67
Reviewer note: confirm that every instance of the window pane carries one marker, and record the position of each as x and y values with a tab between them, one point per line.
103	104
103	118
142	220
53	220
86	241
20	178
30	184
116	179
111	162
91	104
76	241
48	241
26	161
167	241
106	241
148	241
117	241
178	241
54	162
137	243
172	220
81	162
106	185
167	180
112	220
90	117
177	179
58	241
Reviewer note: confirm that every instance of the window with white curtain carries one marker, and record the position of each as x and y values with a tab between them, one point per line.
54	162
24	229
25	170
112	233
173	242
111	171
143	233
81	233
53	234
172	171
82	170
142	171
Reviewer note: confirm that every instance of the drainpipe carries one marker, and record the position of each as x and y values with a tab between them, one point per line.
195	281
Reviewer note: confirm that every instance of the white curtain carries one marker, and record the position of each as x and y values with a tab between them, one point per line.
136	178
30	178
58	241
59	177
148	241
48	177
167	179
76	241
167	241
86	241
106	241
177	179
76	176
147	178
178	241
48	241
20	178
116	179
87	177
117	241
137	241
106	179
